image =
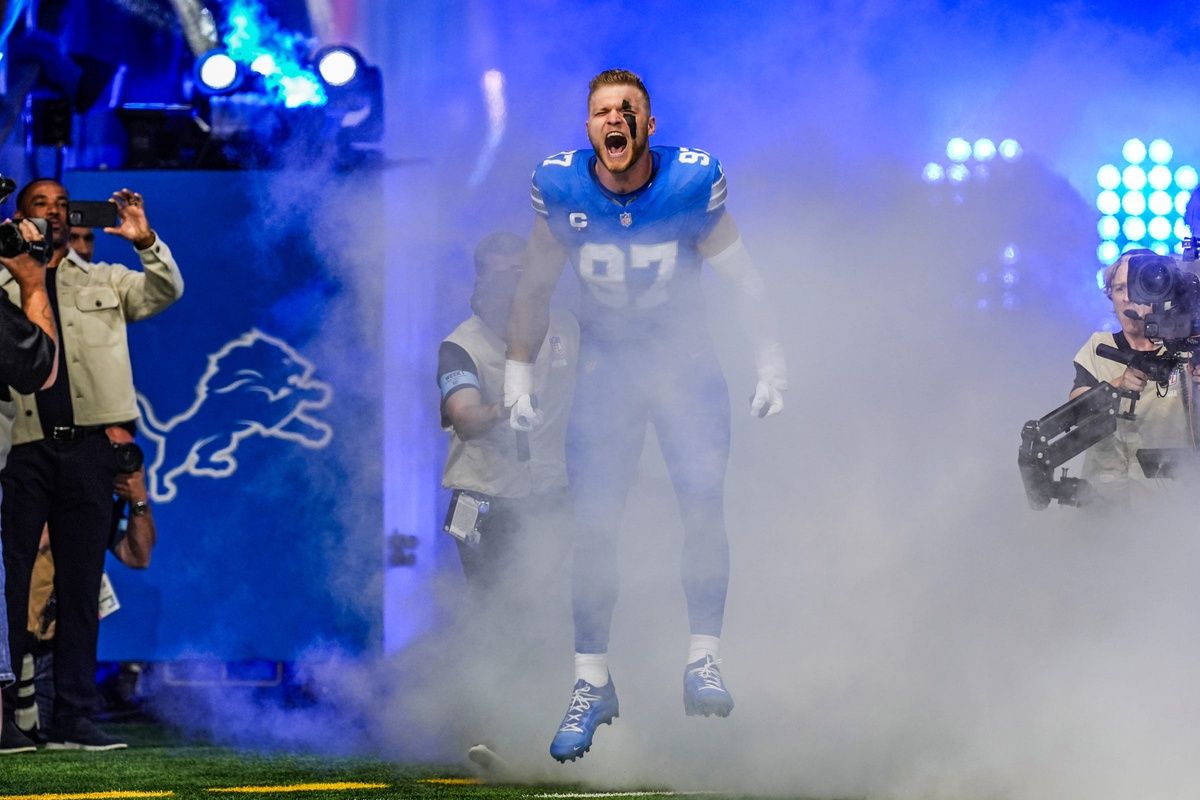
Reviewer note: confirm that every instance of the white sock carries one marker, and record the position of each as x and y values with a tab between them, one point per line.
592	667
700	646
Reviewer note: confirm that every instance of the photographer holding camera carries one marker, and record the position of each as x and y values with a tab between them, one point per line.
1161	416
28	358
63	465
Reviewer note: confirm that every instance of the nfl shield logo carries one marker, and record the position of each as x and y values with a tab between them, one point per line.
626	219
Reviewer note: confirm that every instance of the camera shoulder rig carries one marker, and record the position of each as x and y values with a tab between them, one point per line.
1064	433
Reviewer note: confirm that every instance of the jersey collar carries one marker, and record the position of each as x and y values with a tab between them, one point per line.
628	197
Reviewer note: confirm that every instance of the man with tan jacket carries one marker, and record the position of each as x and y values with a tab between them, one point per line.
62	465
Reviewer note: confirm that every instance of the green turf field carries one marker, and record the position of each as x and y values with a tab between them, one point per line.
157	764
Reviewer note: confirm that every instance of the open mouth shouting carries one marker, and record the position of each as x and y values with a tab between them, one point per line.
615	144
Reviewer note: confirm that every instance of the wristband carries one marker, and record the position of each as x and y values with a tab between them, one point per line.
772	366
518	381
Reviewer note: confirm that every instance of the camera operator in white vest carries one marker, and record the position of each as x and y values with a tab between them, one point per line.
510	509
1160	420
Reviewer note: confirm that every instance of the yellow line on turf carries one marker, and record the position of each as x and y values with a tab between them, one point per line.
453	781
85	796
298	787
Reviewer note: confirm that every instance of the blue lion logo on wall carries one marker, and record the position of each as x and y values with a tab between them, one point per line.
255	385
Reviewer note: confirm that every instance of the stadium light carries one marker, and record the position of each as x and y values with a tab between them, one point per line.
338	65
1108	176
1134	151
984	150
1133	203
1143	199
1186	177
1010	149
958	149
1108	202
1159	177
217	73
1160	204
1108	228
1133	228
1134	178
1159	229
1161	152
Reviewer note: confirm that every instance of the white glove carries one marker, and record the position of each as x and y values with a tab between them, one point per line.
772	381
767	400
523	415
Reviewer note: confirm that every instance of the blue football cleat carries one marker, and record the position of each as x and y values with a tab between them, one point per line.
703	690
591	707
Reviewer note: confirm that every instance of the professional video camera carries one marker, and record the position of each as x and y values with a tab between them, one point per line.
1173	322
12	243
1173	295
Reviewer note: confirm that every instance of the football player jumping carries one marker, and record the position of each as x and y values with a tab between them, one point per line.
637	222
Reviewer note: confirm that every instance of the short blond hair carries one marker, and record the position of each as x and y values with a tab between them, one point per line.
1110	272
618	77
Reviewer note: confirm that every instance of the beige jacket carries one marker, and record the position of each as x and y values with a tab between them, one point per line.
94	303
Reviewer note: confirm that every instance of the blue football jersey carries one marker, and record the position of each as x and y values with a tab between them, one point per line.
635	254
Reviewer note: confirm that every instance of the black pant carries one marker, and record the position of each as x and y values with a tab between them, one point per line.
69	485
523	543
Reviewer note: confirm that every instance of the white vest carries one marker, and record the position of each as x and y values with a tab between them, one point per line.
1111	465
488	464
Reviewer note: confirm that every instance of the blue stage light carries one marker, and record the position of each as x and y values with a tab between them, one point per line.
984	150
1134	177
338	65
1181	231
1160	203
1159	229
933	173
1108	228
1107	252
1134	151
1108	176
1010	150
1160	151
958	149
1159	177
1181	202
1132	246
1186	177
1133	203
1011	254
1133	228
957	173
217	73
1160	248
1108	202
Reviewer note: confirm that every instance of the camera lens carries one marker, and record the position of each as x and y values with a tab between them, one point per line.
1151	279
